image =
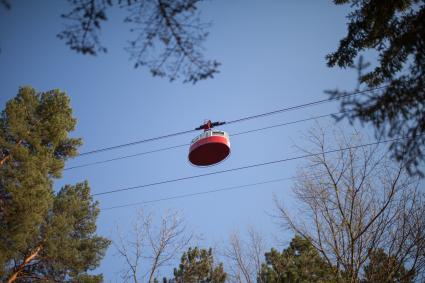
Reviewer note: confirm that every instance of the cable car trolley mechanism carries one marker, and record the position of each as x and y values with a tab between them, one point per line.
210	147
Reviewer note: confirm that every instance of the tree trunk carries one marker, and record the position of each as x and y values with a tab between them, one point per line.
4	160
21	267
8	156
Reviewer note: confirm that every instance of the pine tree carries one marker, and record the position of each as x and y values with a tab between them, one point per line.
386	269
395	30
300	262
43	235
197	266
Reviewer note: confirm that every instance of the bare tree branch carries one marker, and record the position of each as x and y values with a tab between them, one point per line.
151	246
82	35
245	257
168	41
175	28
5	4
356	202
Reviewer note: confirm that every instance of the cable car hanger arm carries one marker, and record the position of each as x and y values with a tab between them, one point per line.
209	125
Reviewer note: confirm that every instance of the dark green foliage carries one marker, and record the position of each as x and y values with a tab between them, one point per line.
33	133
43	234
197	266
396	31
300	262
386	269
71	244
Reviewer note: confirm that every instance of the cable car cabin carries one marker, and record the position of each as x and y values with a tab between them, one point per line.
209	148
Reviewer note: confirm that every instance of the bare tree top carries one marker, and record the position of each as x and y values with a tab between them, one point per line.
355	202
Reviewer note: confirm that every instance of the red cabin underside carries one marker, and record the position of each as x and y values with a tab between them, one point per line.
209	151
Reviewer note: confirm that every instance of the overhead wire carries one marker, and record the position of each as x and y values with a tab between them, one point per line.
244	167
200	193
187	144
136	142
286	109
285	124
309	104
125	157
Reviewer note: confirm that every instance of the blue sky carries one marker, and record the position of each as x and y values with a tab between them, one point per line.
272	55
